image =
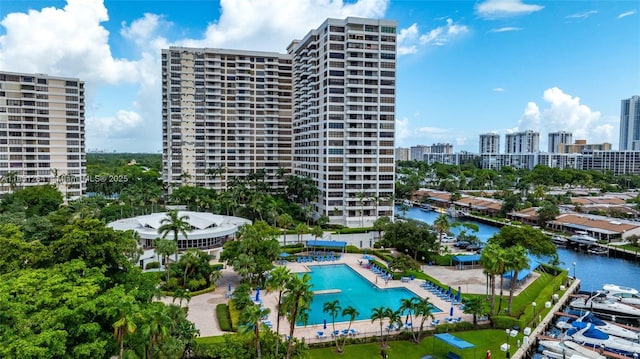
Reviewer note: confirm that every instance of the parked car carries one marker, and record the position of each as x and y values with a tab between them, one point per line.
474	248
462	244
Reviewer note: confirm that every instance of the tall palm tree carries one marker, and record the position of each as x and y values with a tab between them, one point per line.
422	308
296	302
126	315
165	248
441	224
285	221
379	314
301	229
252	316
517	261
407	305
277	280
489	261
395	320
333	309
352	313
175	224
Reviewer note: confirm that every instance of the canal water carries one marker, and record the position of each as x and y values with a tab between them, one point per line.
592	270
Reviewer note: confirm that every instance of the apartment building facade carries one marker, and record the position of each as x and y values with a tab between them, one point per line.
522	142
557	139
226	114
344	117
42	133
630	124
490	143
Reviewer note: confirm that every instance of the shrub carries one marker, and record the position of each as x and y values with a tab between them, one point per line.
152	265
224	319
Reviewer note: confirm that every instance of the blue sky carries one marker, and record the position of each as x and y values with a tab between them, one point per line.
464	67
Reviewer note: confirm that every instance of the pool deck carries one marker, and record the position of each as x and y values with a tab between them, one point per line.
202	307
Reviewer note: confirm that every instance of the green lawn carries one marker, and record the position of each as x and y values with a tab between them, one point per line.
483	339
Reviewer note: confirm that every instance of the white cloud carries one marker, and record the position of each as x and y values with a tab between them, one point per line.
120	124
505	8
67	42
564	112
271	24
443	34
628	13
582	15
506	29
498	89
410	38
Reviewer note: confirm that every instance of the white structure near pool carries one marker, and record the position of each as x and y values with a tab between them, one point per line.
208	231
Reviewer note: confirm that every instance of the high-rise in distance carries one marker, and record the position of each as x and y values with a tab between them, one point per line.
42	132
630	124
559	138
324	110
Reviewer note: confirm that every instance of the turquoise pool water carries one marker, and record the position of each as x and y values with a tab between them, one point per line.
355	291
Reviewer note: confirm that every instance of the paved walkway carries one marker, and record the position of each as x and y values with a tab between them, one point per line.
202	307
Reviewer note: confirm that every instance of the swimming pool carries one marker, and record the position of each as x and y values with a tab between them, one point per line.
351	289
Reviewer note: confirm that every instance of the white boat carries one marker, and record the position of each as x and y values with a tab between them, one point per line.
426	207
582	237
559	241
565	349
591	337
608	328
601	304
598	250
626	295
454	213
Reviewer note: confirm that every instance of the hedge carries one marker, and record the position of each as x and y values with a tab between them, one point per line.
224	318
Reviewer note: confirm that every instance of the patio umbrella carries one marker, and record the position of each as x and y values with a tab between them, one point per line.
451	311
448	291
257	294
324	324
458	297
229	287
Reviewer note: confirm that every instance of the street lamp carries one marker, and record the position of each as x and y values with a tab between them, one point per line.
534	304
574	270
508	355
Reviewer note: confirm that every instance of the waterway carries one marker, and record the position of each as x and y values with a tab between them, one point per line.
592	270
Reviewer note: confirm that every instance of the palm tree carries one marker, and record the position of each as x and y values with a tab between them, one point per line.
277	280
395	320
379	314
422	308
252	317
352	313
296	302
126	315
407	305
176	224
477	306
300	230
285	221
517	261
333	309
441	224
165	248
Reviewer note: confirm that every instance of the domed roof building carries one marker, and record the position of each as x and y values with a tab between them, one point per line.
208	230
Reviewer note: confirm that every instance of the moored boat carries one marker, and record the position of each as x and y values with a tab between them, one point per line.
608	328
591	337
598	250
626	295
559	241
565	348
583	238
602	305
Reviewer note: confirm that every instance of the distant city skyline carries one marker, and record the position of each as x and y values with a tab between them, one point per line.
464	68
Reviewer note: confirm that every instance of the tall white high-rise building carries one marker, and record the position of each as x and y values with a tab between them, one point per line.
344	85
630	124
558	138
522	142
42	137
226	114
325	110
490	143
